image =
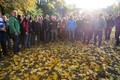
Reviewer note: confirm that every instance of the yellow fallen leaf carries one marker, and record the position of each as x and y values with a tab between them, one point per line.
55	76
34	77
49	78
31	59
26	75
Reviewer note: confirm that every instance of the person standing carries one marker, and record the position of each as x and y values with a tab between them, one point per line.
64	28
41	33
29	32
3	36
88	31
78	29
46	29
99	27
60	29
53	28
26	26
117	29
36	30
71	25
15	31
22	30
8	40
110	25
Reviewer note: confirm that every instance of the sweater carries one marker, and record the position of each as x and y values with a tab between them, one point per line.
71	24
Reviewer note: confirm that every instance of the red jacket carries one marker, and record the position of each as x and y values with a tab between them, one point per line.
26	25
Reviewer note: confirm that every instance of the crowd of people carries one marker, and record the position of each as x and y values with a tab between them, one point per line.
25	32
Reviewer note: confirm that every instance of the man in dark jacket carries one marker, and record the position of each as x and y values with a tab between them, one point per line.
53	28
110	25
79	29
46	28
36	30
26	33
117	29
99	27
88	29
3	36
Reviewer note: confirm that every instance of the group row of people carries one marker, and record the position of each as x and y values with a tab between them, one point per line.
26	32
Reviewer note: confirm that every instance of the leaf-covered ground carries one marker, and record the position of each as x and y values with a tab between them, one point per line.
63	61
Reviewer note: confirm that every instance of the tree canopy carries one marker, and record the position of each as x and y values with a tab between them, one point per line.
42	7
22	6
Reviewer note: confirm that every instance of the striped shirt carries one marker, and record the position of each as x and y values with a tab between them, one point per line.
1	23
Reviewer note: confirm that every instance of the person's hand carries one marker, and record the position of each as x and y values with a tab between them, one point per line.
3	29
51	23
26	33
16	33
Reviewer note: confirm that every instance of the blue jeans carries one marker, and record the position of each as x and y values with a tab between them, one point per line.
98	34
27	40
16	40
71	35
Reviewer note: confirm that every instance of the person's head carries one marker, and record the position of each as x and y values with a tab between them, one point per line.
4	18
14	13
100	15
71	17
46	16
59	19
53	18
36	18
110	16
40	18
27	17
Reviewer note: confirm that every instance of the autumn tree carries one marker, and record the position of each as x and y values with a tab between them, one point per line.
22	6
56	7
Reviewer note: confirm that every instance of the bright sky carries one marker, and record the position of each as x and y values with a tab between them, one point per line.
91	4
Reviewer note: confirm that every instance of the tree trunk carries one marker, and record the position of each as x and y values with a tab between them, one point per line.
2	10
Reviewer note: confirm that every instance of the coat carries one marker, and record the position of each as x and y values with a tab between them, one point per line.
14	25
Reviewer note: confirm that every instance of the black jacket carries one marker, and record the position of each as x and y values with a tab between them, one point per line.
36	27
46	24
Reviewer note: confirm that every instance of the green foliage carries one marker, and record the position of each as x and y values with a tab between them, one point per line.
115	8
58	8
22	6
